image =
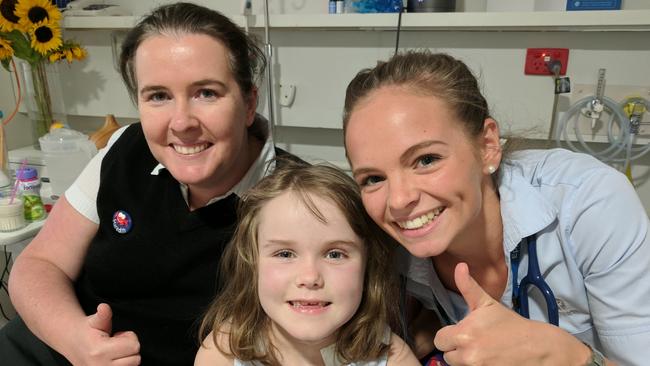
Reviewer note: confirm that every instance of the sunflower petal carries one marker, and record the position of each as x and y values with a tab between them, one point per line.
45	37
6	51
32	12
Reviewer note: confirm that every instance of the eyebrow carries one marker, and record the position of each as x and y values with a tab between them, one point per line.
280	242
199	83
404	158
406	155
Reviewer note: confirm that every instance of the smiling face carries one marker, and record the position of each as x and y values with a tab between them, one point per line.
311	273
194	116
422	178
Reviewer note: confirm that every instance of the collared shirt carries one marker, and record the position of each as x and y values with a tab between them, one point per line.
593	248
82	194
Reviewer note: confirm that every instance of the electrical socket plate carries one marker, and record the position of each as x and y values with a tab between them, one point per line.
287	94
536	59
617	93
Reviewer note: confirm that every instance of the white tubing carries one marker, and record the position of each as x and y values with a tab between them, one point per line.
617	143
623	142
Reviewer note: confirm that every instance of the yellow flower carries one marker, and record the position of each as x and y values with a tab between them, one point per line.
45	37
5	49
32	12
68	55
79	53
54	56
8	19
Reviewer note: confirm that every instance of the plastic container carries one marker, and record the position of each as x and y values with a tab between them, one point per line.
425	6
29	187
373	6
12	214
66	153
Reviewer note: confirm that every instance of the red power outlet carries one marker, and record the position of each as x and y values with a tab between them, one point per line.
536	59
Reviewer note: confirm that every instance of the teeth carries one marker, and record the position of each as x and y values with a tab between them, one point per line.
189	150
298	304
418	222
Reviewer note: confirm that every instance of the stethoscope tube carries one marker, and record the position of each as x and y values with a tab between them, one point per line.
535	278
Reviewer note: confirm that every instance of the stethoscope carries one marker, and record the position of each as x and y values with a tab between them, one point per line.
533	278
520	290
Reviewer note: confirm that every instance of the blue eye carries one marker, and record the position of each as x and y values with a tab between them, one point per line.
207	93
284	254
157	97
335	254
371	180
427	160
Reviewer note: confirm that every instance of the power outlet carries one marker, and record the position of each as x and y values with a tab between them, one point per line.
536	59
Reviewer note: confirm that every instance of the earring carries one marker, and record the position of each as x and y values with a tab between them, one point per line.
491	169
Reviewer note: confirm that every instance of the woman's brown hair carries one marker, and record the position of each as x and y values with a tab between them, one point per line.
431	74
423	72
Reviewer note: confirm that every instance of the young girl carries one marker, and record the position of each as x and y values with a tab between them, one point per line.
308	279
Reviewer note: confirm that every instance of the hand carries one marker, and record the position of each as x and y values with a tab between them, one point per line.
492	334
98	347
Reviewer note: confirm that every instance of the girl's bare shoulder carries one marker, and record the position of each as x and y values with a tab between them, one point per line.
400	353
210	355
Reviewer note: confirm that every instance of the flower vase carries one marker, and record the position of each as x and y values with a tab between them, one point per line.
43	97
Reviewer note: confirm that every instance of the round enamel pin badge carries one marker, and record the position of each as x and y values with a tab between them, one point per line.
122	222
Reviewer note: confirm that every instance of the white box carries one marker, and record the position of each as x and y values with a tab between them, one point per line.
290	7
525	5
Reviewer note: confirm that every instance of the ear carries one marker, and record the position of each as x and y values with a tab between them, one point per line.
490	146
251	107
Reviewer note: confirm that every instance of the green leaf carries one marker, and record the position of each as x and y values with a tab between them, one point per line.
22	46
5	64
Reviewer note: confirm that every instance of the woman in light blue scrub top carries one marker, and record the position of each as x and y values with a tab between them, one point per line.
430	164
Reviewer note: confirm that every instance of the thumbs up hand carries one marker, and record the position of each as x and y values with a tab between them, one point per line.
97	346
492	334
102	319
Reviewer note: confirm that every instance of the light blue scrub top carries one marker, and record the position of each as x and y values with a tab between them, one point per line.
593	249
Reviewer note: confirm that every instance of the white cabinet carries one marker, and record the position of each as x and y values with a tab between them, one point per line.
619	20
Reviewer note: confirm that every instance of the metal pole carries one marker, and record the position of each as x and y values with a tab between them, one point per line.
268	50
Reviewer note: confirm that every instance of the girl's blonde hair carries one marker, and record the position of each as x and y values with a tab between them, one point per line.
237	311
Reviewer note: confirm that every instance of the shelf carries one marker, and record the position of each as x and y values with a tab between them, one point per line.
116	22
99	22
613	20
626	20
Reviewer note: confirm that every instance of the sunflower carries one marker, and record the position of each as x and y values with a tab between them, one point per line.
70	51
79	53
54	56
32	12
6	51
45	37
8	19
